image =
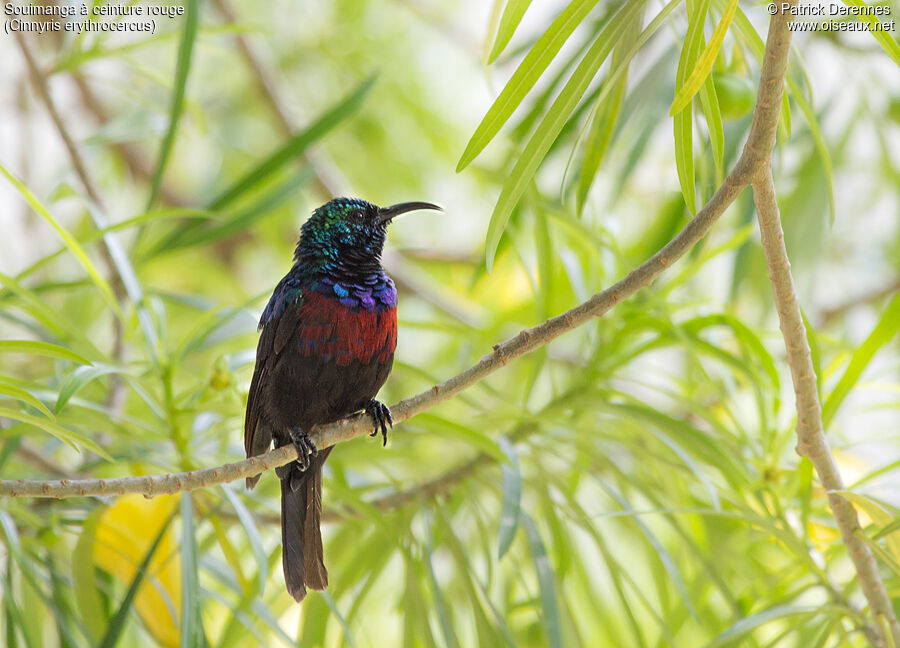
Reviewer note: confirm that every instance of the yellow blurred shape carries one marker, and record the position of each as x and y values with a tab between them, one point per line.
823	537
125	532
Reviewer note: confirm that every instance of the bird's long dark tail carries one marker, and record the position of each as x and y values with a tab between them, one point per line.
301	538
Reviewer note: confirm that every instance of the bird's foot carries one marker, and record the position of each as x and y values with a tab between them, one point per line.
305	447
381	418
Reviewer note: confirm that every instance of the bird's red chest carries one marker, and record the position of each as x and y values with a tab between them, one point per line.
329	328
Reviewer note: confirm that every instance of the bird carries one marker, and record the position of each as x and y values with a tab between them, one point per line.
326	346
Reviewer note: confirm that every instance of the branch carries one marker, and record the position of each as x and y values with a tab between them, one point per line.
756	154
811	440
754	166
832	313
357	425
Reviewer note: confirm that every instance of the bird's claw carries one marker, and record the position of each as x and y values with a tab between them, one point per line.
305	447
381	418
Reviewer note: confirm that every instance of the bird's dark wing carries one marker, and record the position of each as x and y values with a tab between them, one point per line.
278	325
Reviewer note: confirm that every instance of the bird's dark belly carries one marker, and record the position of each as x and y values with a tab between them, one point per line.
337	360
309	390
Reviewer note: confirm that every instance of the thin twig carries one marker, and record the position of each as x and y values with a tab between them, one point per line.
810	433
830	314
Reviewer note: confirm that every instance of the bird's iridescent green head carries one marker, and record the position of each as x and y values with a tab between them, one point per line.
348	233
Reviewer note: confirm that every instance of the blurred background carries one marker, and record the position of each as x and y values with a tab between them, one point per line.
633	484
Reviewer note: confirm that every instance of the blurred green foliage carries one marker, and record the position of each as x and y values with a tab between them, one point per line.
632	484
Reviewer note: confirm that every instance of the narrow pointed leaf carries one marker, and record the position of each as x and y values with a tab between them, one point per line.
549	602
659	550
709	101
42	349
512	496
84	581
73	439
683	127
70	242
884	37
523	79
819	140
754	621
440	605
25	396
79	378
884	331
191	624
253	537
606	114
882	514
552	124
705	61
509	21
182	68
295	145
117	623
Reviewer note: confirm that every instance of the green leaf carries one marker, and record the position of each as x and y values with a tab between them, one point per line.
684	147
606	114
84	581
784	120
79	378
512	16
705	61
747	624
526	75
117	623
884	330
232	557
550	126
756	45
197	231
440	605
70	242
659	550
549	603
512	497
32	304
182	67
819	140
745	335
129	278
709	101
455	431
336	611
882	514
34	615
73	439
42	349
191	624
315	620
253	537
884	37
296	145
491	33
24	396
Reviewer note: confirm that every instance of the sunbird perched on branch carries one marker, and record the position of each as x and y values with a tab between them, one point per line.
328	337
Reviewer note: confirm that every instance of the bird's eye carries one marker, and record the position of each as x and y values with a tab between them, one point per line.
358	216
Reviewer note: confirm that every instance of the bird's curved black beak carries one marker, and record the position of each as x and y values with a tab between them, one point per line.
386	214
